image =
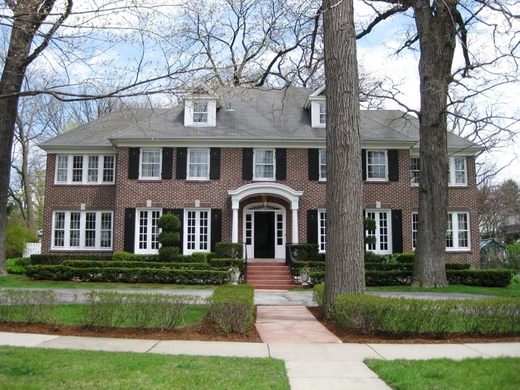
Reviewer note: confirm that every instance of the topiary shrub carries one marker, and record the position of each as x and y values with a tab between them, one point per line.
228	250
169	237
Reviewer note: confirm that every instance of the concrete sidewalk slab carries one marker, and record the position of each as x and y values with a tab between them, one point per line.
322	352
496	350
328	369
425	351
211	348
291	324
99	344
337	384
284	298
24	339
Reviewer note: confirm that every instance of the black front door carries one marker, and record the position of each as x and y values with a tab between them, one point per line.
264	234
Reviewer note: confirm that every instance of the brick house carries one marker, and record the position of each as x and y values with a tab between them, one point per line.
247	166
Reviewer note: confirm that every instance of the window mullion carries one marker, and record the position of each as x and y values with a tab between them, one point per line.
66	230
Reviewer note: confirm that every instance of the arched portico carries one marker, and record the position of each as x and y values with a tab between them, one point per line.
265	189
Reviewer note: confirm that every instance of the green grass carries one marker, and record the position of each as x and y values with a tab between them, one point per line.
10	281
73	314
474	374
513	290
23	368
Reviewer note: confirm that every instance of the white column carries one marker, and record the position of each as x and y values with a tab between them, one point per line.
294	230
234	226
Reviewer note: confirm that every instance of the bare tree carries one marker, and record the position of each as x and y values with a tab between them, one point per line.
344	270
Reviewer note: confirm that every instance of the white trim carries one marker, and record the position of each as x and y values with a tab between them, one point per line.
320	243
455	231
201	178
211	110
277	209
377	232
276	189
255	152
148	250
84	169
452	176
386	165
141	177
320	177
197	242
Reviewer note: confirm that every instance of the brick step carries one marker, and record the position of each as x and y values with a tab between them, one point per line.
266	265
270	286
271	272
265	269
269	280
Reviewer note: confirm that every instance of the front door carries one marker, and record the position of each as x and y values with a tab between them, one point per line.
264	234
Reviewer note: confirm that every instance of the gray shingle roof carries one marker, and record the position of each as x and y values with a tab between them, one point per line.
259	114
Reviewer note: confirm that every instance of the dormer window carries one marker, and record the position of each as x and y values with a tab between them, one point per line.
323	113
200	112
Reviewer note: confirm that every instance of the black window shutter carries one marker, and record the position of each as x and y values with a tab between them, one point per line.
167	161
281	164
314	164
393	165
133	163
364	163
129	230
397	231
216	227
214	163
180	214
312	226
182	155
247	163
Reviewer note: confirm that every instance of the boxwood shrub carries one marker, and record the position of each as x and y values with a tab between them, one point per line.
128	275
225	264
58	258
16	265
404	316
232	308
132	264
229	250
305	252
127	256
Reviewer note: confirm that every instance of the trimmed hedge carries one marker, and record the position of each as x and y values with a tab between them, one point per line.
58	258
127	275
306	252
232	308
483	278
16	265
227	263
127	256
203	257
132	264
409	266
226	250
404	316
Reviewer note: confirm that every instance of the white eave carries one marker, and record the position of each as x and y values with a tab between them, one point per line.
315	95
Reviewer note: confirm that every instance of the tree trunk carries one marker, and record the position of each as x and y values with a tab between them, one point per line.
27	183
344	267
437	32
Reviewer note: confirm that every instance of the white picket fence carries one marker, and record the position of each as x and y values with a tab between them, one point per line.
32	248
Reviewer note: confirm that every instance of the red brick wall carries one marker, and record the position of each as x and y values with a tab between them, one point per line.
213	194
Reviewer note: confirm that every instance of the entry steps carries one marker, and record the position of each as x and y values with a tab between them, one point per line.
270	276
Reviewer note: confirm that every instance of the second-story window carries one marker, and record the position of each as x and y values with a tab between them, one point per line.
323	164
85	169
457	171
198	164
414	171
377	165
264	164
200	112
323	113
150	164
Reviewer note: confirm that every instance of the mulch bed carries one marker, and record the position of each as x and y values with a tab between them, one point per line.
352	337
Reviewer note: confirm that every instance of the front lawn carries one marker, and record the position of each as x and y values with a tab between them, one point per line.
10	281
513	290
474	374
24	368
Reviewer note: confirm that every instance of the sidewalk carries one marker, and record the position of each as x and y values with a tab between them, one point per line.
309	366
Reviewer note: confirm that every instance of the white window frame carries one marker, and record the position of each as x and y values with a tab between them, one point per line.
452	172
386	166
190	151
377	231
255	153
322	230
82	247
198	226
322	112
415	227
85	159
158	177
195	113
149	232
455	231
321	164
418	170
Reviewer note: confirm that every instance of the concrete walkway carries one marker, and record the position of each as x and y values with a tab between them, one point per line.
291	324
327	366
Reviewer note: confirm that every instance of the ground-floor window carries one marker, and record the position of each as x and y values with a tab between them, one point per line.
196	231
457	231
382	232
82	230
322	230
147	230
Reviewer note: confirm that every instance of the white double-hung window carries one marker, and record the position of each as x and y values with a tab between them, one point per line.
150	164
147	231
198	164
323	164
457	231
322	230
264	164
200	111
82	230
323	112
85	169
196	231
457	171
377	165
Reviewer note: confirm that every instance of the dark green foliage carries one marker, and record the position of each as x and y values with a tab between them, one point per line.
228	250
232	308
305	252
169	253
169	239
169	222
408	266
127	275
312	265
321	257
371	257
58	258
127	256
133	264
408	257
203	257
16	236
17	265
317	293
458	266
225	264
404	316
513	256
369	225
